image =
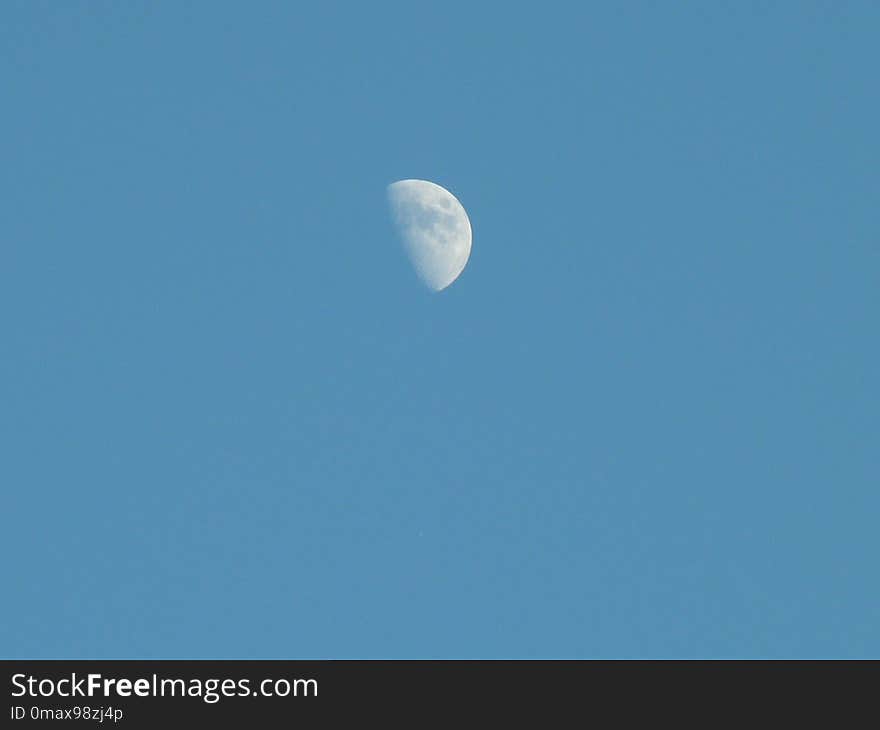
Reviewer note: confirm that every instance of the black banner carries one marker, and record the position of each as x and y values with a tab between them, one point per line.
181	693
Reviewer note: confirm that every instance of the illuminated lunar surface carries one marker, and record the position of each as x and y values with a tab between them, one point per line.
434	229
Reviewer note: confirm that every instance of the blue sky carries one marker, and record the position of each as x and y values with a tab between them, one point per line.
644	422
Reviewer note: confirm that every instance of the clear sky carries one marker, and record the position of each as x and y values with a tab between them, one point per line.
644	422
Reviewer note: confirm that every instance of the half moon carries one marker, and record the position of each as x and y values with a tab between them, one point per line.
434	228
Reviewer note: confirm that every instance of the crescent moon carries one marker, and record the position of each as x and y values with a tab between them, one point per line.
434	228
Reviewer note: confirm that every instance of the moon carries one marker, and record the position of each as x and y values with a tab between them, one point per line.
434	228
